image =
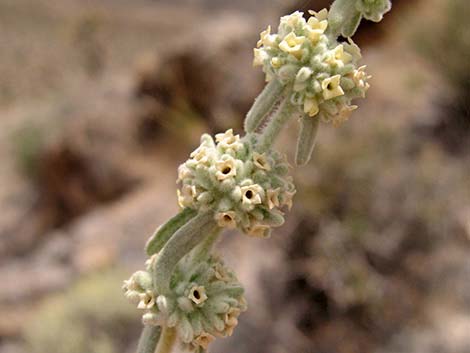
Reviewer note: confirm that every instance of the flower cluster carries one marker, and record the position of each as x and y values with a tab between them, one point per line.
323	75
245	189
205	301
373	10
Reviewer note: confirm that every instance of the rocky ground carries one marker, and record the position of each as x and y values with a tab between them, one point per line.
98	108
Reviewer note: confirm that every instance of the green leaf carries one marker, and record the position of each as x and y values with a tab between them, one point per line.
165	231
180	244
307	138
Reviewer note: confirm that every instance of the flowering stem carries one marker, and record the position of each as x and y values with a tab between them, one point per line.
275	125
263	105
148	339
167	340
307	137
181	243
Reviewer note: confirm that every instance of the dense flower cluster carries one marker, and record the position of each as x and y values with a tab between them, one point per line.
373	10
323	75
205	301
245	189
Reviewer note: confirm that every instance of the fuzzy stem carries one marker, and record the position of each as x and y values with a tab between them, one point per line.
263	105
307	137
148	339
181	243
275	125
167	340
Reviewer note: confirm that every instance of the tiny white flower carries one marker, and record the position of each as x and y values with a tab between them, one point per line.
147	300
186	195
229	141
201	155
225	168
198	294
226	219
331	87
251	195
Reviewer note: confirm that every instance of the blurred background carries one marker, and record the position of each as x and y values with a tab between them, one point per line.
100	100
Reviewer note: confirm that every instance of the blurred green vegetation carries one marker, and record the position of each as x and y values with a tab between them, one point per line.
88	317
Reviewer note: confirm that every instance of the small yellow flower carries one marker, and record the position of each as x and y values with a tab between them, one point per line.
221	273
292	45
331	87
266	38
320	15
203	340
311	107
273	198
287	199
261	161
147	300
293	19
201	155
360	78
226	219
231	320
315	28
229	141
259	57
198	294
343	114
183	173
225	168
